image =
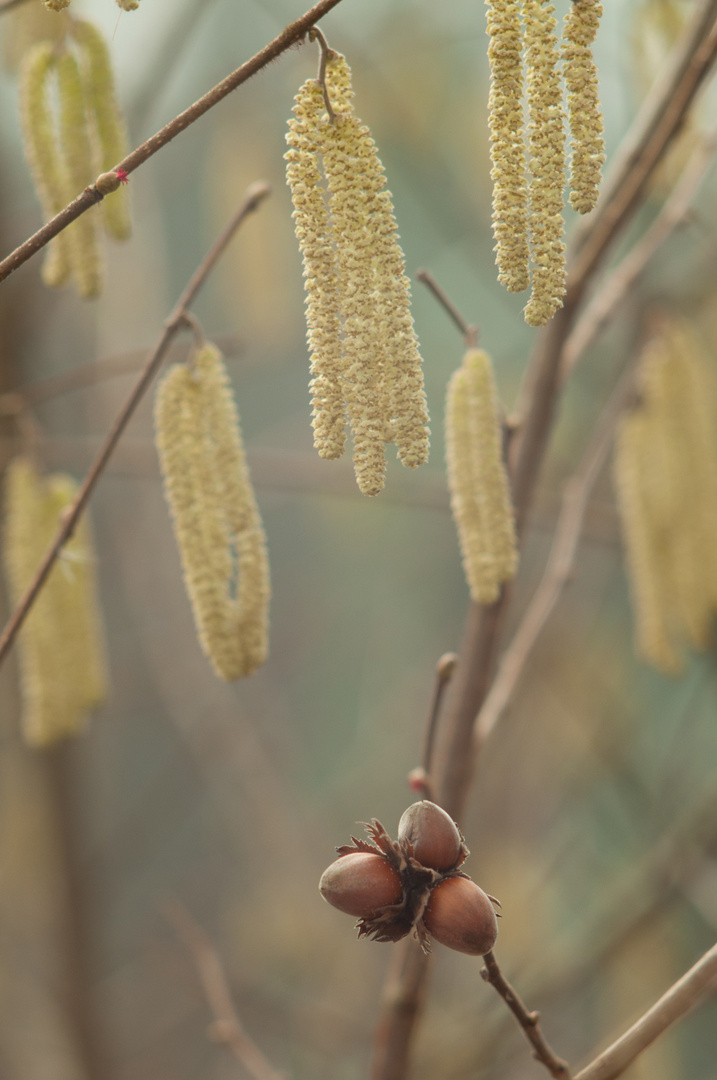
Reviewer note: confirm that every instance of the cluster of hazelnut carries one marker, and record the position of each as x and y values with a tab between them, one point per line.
414	883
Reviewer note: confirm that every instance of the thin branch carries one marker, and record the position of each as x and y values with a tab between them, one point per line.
254	195
6	5
646	143
682	996
325	54
227	1027
529	1021
290	36
420	778
617	286
469	332
560	563
658	121
84	375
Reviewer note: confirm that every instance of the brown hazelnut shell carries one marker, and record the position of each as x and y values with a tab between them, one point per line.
434	837
360	884
460	915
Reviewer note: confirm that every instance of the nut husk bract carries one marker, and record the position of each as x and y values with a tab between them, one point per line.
460	915
433	835
361	884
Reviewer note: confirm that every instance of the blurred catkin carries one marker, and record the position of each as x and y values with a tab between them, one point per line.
77	150
108	122
666	479
73	129
480	496
365	358
546	135
586	125
61	650
507	146
43	153
216	519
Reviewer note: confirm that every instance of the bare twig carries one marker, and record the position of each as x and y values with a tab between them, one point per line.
90	196
682	996
659	120
5	5
529	1021
420	779
227	1027
617	286
648	140
470	333
560	563
253	197
83	375
325	54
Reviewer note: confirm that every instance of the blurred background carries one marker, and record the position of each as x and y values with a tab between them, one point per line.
594	815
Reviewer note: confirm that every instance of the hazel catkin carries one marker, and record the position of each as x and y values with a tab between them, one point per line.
216	519
366	366
61	647
480	494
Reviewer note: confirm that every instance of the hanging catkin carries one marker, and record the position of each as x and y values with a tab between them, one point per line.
72	129
314	232
507	148
60	645
43	153
107	119
480	496
216	519
666	479
365	358
586	125
646	547
547	163
528	218
77	151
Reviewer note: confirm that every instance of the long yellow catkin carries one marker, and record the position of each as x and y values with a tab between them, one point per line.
107	118
507	147
216	519
365	357
679	400
43	153
61	649
314	233
650	568
586	125
480	496
78	154
547	162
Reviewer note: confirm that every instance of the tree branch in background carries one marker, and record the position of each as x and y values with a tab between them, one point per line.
94	371
90	196
527	1020
253	197
616	287
645	145
682	996
560	563
227	1027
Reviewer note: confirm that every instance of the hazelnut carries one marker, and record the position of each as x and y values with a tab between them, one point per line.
435	838
361	884
460	915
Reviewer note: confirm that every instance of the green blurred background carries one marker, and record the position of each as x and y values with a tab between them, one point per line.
595	815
